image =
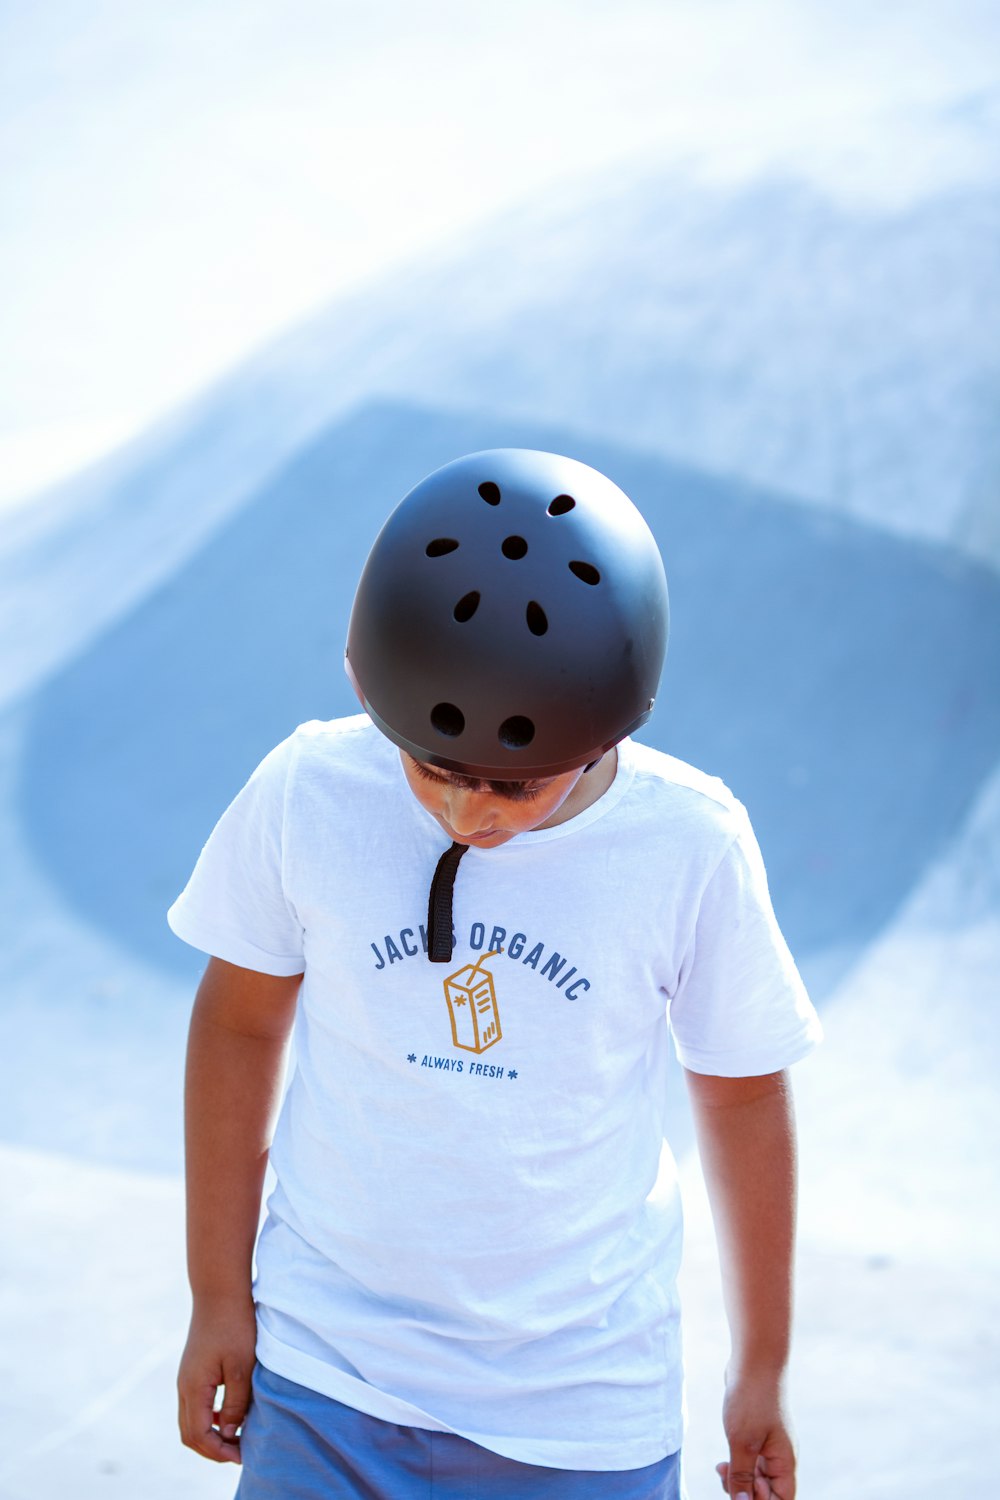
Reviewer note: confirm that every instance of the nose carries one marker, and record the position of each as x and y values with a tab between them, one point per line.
469	812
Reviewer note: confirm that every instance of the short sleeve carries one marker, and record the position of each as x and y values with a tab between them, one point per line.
234	906
740	1008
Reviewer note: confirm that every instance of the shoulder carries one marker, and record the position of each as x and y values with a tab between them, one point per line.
334	751
334	739
670	794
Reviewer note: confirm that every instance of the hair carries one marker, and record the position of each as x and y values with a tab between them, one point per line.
512	789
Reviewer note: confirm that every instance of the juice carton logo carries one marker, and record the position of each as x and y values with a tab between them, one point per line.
472	1006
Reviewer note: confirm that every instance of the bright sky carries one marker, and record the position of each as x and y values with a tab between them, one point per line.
182	180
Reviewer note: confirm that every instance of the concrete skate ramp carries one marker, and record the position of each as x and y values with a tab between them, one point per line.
841	680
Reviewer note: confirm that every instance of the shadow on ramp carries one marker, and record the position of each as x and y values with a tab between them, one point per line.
839	679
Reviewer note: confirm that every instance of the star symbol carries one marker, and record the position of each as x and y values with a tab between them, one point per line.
511	1072
460	1000
412	1057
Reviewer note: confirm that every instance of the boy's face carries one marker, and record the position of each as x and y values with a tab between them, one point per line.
481	814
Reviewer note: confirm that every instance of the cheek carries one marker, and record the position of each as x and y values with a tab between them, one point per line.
519	817
524	816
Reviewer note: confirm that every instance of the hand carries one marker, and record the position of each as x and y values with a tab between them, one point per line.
219	1352
761	1463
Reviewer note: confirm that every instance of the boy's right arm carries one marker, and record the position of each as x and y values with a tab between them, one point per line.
235	1068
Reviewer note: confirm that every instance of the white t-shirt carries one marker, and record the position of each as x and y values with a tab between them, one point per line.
474	1228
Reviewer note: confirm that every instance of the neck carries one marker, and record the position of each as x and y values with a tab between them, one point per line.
589	787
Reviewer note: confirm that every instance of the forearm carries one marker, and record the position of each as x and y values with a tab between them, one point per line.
239	1028
746	1137
232	1092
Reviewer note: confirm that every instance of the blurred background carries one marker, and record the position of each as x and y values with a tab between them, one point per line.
264	267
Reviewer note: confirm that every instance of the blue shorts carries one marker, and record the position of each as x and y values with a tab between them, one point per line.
298	1445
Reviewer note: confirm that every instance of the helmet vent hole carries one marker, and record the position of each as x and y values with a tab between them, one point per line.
561	504
467	606
585	571
537	622
514	547
447	719
440	546
516	732
490	492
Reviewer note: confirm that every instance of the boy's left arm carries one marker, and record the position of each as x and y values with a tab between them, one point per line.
746	1140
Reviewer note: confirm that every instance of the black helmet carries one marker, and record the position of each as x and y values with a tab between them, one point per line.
511	620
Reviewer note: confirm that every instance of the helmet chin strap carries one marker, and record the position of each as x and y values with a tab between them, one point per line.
439	907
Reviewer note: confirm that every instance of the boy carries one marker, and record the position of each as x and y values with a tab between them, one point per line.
466	1279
